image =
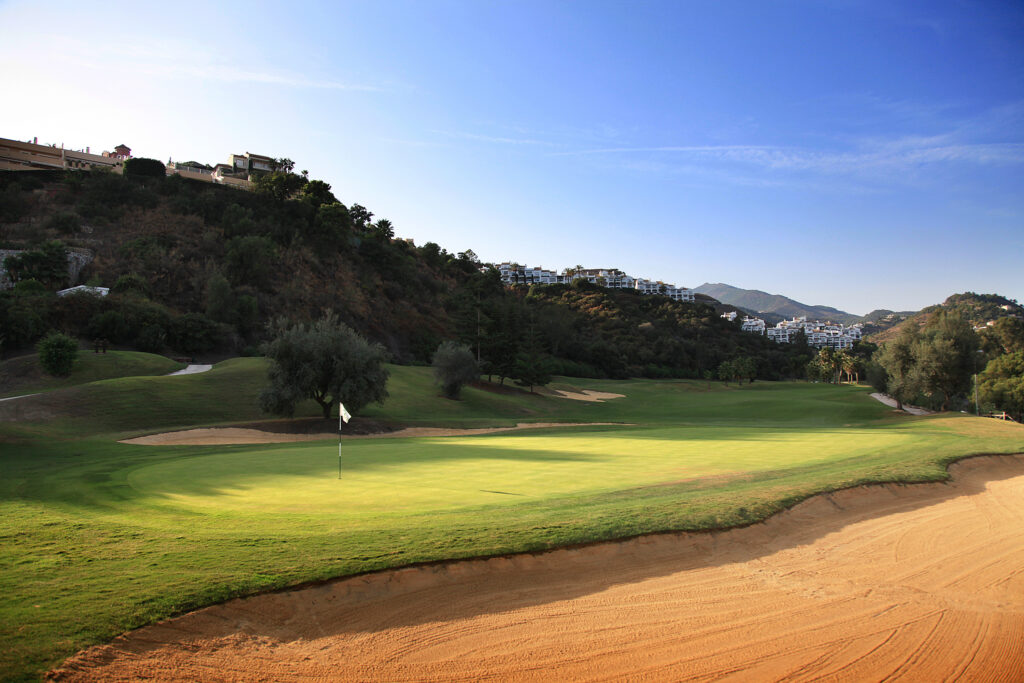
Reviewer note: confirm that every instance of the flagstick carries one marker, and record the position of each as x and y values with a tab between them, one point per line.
343	417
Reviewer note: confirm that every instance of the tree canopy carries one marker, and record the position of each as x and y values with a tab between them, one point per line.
325	361
454	367
57	354
1002	383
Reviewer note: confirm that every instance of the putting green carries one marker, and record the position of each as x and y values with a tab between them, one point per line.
426	474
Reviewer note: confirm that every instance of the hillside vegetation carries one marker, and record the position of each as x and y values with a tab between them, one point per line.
977	309
965	354
198	269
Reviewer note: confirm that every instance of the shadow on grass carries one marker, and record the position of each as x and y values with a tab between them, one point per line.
462	590
97	474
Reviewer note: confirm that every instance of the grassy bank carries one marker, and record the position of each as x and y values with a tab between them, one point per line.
100	537
24	374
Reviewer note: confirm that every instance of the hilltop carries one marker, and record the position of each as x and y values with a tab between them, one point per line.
981	310
769	306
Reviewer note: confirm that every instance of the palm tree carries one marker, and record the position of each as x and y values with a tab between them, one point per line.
849	365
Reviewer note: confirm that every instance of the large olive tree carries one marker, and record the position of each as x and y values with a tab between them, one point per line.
326	361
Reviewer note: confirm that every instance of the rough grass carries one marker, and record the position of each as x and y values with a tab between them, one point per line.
24	375
100	537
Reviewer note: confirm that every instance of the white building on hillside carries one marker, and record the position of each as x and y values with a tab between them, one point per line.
755	325
613	278
818	334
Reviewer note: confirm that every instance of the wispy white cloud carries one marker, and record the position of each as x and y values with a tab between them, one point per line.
191	62
897	155
496	139
233	74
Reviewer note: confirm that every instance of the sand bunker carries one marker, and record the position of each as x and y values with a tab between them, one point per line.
585	395
918	582
219	436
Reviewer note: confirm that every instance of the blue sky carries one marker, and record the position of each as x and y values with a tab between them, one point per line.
855	154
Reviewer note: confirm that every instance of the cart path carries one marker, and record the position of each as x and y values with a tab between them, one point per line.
891	402
922	582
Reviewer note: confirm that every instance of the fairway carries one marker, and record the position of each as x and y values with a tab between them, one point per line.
122	535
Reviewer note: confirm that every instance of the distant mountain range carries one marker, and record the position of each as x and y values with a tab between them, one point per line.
774	307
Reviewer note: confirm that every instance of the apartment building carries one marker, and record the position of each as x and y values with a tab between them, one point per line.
247	163
755	325
237	172
31	156
818	334
613	278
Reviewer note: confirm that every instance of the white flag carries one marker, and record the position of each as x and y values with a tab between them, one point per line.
342	415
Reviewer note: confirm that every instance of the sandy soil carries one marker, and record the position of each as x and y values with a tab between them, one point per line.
918	582
891	402
218	436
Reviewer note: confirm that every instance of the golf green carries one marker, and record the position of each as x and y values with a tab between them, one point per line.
100	537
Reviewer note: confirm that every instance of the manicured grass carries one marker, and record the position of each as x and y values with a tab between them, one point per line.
24	375
100	537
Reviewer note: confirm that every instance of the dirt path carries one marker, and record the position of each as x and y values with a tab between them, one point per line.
191	370
219	436
919	583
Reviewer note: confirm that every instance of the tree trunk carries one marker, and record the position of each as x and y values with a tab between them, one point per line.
325	405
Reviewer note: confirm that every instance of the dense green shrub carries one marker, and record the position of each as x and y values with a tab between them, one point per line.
21	322
57	354
63	222
30	287
141	167
194	333
252	260
152	338
48	264
110	325
454	367
131	282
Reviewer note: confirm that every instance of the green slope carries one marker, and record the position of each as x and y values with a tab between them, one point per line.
24	375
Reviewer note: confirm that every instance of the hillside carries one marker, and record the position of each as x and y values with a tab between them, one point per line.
977	309
199	270
763	304
882	319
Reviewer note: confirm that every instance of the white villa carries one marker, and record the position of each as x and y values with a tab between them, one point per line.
819	334
613	278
